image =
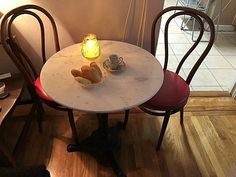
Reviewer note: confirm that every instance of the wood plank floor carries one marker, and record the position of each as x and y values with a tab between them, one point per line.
204	146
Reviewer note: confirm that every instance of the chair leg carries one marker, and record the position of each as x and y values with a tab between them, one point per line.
39	107
7	158
182	116
126	119
40	113
25	129
72	125
163	129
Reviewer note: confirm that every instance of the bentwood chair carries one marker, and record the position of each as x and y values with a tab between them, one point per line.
174	93
25	63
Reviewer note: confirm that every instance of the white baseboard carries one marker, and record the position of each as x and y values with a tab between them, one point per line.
225	28
233	90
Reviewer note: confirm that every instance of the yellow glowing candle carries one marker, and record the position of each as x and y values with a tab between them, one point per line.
90	47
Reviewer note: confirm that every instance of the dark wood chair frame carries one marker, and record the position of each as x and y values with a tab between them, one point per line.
23	62
202	19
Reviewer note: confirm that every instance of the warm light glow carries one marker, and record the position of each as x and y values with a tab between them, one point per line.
6	5
90	47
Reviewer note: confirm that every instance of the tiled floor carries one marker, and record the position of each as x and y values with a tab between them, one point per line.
218	70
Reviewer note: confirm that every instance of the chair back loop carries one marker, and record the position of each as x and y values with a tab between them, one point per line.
12	46
201	18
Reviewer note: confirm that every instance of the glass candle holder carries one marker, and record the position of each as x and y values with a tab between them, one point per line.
90	47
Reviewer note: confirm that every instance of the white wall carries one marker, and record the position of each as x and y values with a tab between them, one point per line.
6	65
109	19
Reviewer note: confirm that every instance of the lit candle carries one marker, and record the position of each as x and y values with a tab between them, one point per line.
90	47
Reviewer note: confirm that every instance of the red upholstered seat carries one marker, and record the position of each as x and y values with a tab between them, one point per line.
174	91
39	90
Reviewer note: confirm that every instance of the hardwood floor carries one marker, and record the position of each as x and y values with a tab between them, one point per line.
204	146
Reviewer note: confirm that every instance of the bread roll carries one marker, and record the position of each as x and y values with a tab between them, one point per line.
90	73
86	72
95	76
95	66
76	72
85	68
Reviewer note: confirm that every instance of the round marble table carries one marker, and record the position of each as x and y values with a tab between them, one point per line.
136	83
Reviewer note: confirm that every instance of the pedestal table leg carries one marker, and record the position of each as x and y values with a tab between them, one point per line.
102	144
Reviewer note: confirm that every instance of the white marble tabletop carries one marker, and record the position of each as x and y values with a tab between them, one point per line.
141	79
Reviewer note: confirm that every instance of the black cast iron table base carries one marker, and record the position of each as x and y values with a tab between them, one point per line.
102	144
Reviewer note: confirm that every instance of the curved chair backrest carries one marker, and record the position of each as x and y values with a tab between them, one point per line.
14	49
201	18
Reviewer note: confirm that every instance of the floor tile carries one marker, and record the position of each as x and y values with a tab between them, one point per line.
202	46
178	39
169	3
190	61
164	19
161	50
217	62
161	59
173	29
231	36
181	49
195	88
203	78
225	77
231	60
161	37
181	73
178	20
224	46
193	35
172	61
225	89
227	49
220	39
